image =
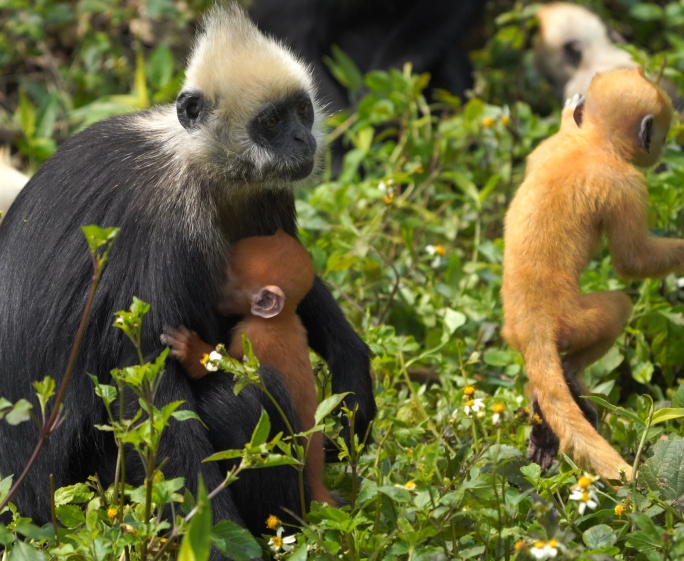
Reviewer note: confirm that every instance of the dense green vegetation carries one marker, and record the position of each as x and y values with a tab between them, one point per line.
409	237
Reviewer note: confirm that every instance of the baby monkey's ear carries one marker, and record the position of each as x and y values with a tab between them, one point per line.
269	302
645	133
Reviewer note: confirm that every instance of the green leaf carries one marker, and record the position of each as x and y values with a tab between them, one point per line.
196	543
262	430
599	536
663	472
186	415
667	414
677	397
234	541
99	238
78	493
397	494
498	357
22	551
453	320
328	405
20	412
532	473
646	12
160	67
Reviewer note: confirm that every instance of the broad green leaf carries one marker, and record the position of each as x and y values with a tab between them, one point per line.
20	412
498	357
397	494
453	320
667	414
663	472
328	405
78	493
234	541
599	536
22	551
262	430
196	543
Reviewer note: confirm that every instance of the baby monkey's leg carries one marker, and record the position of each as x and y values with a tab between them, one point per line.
188	348
589	336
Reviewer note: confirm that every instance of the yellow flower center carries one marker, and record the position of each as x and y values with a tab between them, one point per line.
552	543
439	250
410	485
488	122
619	510
505	119
499	408
470	403
469	390
539	545
272	522
585	497
520	545
205	359
584	482
537	420
389	197
277	541
111	513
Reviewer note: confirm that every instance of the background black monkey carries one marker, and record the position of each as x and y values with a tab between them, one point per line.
182	182
377	35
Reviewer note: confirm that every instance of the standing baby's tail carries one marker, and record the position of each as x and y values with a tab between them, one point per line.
578	438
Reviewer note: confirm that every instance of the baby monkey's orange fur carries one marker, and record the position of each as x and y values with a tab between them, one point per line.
582	185
268	277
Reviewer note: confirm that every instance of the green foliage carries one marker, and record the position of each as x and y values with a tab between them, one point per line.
409	236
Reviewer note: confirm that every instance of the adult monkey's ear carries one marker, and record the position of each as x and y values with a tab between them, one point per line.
645	133
269	302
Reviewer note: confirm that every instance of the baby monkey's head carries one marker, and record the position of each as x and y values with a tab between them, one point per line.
268	274
631	112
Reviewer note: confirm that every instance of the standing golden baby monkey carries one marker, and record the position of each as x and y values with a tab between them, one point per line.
585	185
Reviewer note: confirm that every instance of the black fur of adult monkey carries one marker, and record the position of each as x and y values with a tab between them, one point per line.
182	182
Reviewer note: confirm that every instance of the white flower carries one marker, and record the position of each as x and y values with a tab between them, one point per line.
544	550
279	542
495	418
409	485
436	262
587	499
473	406
214	355
430	249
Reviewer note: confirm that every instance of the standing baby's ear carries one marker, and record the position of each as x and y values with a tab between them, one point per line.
645	133
269	302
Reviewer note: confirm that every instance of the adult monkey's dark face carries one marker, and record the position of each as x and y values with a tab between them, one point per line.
284	128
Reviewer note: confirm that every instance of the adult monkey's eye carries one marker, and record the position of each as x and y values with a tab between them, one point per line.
302	108
272	121
189	106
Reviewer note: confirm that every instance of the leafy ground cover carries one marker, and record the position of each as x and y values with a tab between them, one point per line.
409	237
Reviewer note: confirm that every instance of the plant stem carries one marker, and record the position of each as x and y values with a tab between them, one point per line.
52	507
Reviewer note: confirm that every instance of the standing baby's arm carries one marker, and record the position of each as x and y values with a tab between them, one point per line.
188	348
635	252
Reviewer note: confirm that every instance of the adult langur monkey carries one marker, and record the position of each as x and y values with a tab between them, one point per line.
583	184
572	46
183	182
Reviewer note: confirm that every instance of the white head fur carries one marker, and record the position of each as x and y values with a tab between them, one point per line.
568	29
237	71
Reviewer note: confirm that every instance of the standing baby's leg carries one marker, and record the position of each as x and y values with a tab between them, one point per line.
188	348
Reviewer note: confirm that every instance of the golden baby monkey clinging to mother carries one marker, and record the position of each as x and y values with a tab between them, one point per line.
585	185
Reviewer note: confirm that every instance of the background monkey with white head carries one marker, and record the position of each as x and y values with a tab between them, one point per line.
585	186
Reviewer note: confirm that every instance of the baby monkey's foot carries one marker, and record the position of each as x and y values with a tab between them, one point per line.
544	443
188	348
